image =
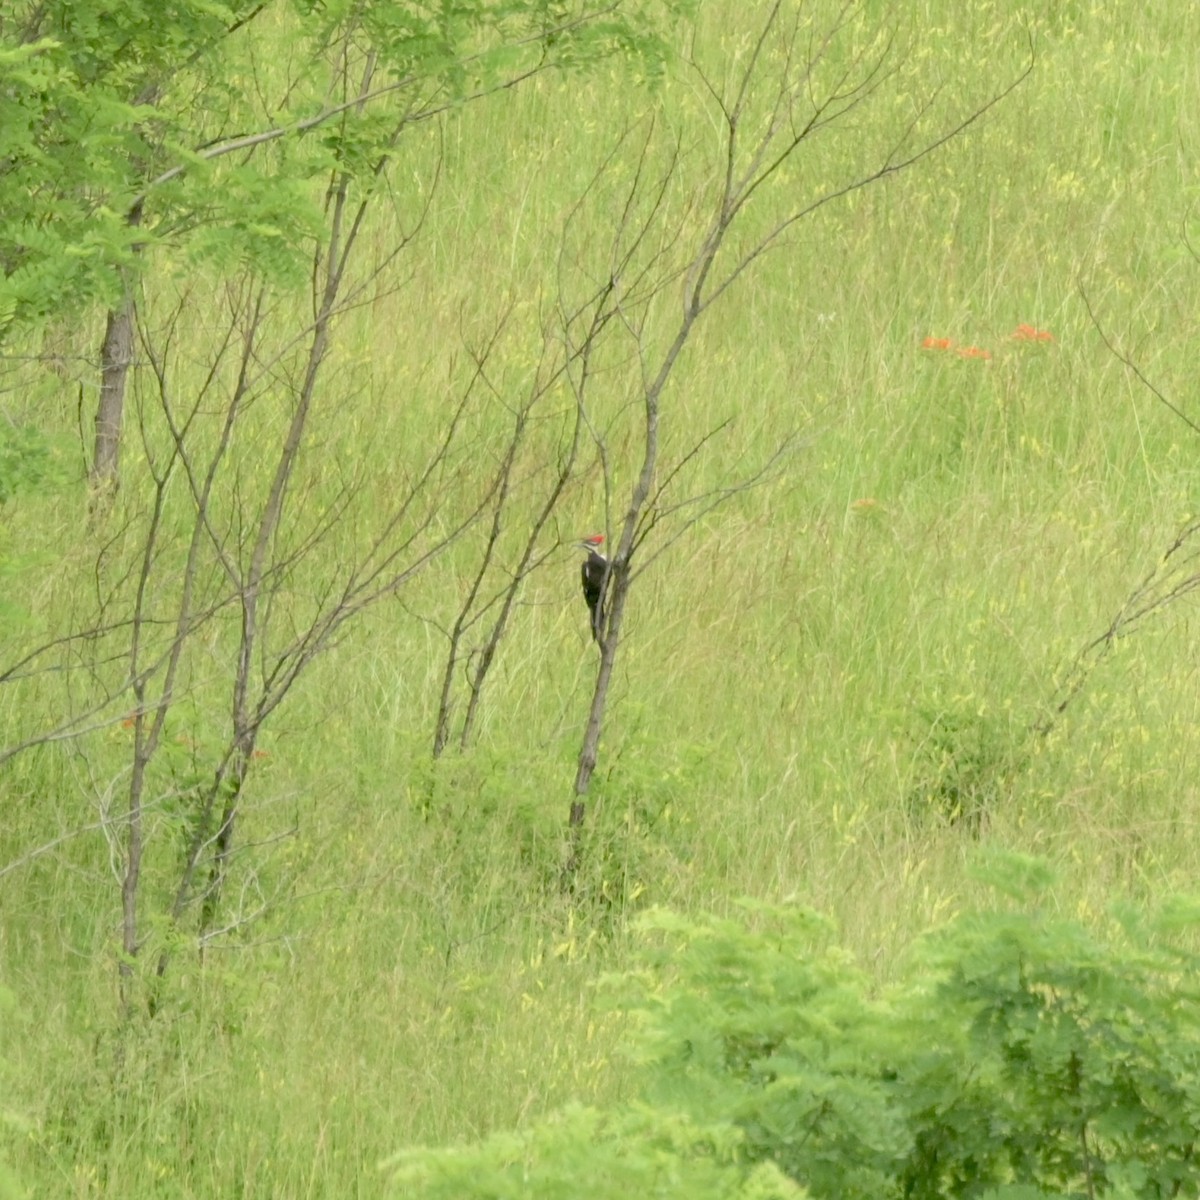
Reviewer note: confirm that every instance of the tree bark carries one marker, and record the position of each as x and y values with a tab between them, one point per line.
116	354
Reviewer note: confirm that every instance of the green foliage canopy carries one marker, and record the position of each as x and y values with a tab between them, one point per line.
125	125
1023	1055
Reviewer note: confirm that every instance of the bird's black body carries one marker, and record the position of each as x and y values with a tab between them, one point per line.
593	573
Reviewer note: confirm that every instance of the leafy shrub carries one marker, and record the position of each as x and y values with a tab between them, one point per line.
642	1152
1023	1055
966	758
27	460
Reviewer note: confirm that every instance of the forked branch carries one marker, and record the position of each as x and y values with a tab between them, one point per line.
775	103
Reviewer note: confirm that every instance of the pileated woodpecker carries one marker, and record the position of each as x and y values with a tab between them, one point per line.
592	572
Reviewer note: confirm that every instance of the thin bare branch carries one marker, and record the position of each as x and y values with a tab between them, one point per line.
366	96
1132	366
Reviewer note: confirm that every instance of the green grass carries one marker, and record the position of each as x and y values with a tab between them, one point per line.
799	673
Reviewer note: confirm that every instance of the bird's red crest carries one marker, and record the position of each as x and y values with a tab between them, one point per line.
595	539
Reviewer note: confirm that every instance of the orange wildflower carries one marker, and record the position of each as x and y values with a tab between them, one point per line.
932	343
974	352
1029	333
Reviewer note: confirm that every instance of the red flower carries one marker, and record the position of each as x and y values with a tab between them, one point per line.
1028	333
974	352
932	343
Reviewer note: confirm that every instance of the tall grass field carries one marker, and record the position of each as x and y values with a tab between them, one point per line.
839	689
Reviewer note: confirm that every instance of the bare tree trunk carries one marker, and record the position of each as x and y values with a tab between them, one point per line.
595	723
130	881
116	354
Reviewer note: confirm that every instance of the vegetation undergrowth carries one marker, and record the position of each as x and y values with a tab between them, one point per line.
834	688
1021	1054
